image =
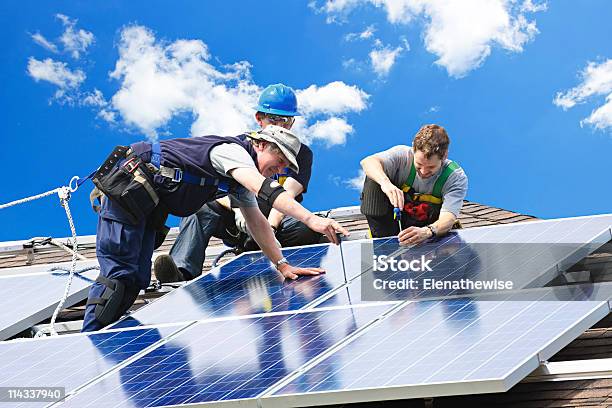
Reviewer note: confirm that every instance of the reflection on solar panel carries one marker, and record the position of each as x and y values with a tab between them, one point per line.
227	360
444	347
29	298
71	361
246	285
529	254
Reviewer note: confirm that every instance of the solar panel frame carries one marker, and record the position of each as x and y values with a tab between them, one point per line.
45	288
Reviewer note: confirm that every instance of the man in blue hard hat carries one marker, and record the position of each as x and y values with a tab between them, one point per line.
277	105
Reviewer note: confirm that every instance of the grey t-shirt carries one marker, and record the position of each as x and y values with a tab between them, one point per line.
227	157
397	162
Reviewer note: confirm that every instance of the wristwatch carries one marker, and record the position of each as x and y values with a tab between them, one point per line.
281	261
433	229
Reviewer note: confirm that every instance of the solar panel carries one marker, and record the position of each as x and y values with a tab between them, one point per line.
233	359
30	295
444	347
529	254
246	285
71	361
342	354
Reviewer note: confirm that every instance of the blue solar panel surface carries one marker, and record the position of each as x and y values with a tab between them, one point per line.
71	361
428	344
528	254
27	299
233	359
246	285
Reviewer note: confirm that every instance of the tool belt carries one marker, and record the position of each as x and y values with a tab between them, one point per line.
127	180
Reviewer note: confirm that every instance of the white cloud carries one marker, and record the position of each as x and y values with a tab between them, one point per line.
460	33
97	101
529	6
356	183
58	74
333	98
95	98
39	39
325	106
382	59
75	41
331	131
596	81
108	116
364	35
160	80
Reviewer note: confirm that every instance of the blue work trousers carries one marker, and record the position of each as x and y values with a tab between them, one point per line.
196	230
124	253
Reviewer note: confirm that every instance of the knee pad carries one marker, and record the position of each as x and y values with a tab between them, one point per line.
109	304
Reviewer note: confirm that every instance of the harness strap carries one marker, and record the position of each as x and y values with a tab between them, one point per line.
436	194
179	176
448	170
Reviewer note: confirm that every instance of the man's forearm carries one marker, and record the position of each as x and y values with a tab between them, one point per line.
264	236
444	223
285	204
374	169
275	218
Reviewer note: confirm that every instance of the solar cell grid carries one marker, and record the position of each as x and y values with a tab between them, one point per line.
71	361
246	285
230	360
430	348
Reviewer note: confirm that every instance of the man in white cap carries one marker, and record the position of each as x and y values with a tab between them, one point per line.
178	176
277	105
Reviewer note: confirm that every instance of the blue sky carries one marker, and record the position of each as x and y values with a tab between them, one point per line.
524	89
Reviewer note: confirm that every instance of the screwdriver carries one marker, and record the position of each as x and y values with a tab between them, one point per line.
397	215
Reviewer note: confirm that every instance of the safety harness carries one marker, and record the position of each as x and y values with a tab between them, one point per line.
177	175
423	209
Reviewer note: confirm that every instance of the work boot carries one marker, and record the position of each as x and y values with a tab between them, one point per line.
166	270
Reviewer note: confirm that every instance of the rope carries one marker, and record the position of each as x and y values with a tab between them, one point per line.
67	249
64	195
27	199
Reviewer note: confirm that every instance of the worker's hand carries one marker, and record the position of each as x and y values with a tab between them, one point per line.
240	221
327	227
414	235
292	272
395	195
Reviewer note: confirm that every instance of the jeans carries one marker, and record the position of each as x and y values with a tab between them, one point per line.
124	253
189	249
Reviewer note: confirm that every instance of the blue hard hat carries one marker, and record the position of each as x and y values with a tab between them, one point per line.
278	99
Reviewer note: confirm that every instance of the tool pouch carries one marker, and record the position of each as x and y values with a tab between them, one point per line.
125	179
374	202
417	213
